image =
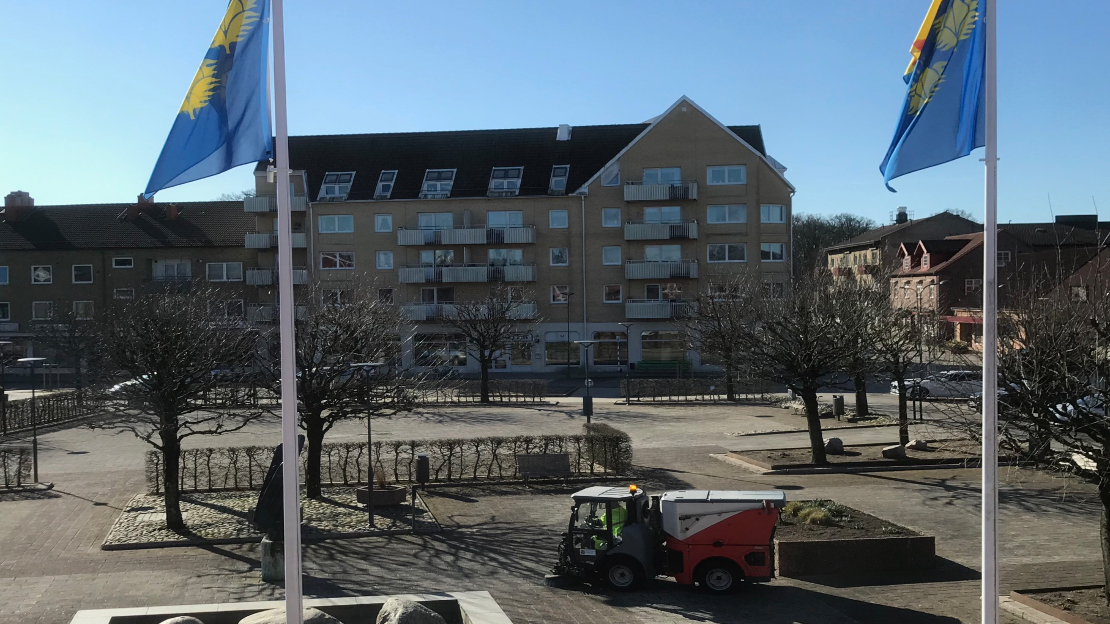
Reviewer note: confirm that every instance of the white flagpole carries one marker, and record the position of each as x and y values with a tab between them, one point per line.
990	332
290	478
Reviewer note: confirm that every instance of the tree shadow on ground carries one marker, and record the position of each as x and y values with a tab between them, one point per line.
946	571
27	495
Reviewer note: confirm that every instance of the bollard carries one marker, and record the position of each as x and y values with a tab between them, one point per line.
838	405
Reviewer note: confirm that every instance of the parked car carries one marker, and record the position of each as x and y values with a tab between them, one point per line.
1091	406
975	402
948	384
910	382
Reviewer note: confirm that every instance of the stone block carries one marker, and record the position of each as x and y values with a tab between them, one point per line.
185	619
277	616
896	451
273	561
396	611
918	445
834	446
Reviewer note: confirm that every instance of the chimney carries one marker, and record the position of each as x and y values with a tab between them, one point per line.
902	215
17	205
563	134
169	213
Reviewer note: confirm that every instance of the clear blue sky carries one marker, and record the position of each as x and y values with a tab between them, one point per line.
91	88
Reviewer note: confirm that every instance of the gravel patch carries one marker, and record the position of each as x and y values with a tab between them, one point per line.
221	517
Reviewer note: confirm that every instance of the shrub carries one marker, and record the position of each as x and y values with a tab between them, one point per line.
793	508
608	447
815	515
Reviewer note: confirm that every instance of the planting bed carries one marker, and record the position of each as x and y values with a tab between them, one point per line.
1085	605
949	452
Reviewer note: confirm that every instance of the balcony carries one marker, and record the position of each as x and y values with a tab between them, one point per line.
268	203
683	230
7	327
438	311
162	284
267	277
666	309
668	191
255	240
466	273
477	235
268	312
653	269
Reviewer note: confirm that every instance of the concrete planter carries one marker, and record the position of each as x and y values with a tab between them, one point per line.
1023	603
390	495
854	556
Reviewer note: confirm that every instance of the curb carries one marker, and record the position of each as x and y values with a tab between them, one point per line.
725	457
823	429
24	489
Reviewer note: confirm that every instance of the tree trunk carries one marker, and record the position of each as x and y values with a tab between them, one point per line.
314	436
730	383
903	416
1104	530
484	364
861	395
171	481
813	420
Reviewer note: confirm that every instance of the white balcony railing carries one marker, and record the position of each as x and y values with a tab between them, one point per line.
260	277
267	203
651	269
479	235
255	240
645	309
638	230
677	191
466	273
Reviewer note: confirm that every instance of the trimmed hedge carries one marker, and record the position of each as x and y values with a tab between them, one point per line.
51	409
15	464
692	389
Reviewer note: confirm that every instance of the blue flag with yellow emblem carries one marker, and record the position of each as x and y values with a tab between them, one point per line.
944	115
224	121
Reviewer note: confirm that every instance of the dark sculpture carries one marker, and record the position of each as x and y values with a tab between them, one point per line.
269	515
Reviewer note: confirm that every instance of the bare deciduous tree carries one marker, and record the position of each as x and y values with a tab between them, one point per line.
723	315
72	335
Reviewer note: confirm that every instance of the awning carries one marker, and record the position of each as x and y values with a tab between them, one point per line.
963	319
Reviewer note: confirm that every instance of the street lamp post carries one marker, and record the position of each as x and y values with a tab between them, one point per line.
569	295
919	409
4	383
366	370
628	339
31	361
587	401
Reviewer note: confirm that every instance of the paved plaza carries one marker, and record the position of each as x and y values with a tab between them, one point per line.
503	538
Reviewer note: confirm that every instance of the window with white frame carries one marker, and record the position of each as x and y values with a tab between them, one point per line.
123	263
42	274
772	252
5	311
3	275
560	294
505	257
505	181
726	174
337	224
82	273
663	175
123	293
437	183
560	256
612	294
728	252
972	285
558	183
435	220
772	213
925	261
336	185
383	223
1003	258
83	310
172	270
907	262
385	184
384	260
663	253
611	254
558	219
330	260
42	310
663	214
505	218
611	176
224	271
610	217
437	257
727	213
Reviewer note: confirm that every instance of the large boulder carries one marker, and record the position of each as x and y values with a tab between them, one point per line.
184	619
918	445
277	616
896	451
396	611
834	446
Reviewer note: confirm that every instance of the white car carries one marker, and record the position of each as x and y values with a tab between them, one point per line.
948	384
1082	409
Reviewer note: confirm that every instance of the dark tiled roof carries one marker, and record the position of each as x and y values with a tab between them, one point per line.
872	236
474	153
198	224
1052	234
944	246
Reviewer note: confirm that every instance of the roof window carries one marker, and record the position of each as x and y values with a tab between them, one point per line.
437	183
385	184
336	185
558	184
505	182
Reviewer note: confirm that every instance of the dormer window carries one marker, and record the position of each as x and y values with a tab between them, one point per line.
925	261
437	183
906	263
336	185
385	184
505	182
558	184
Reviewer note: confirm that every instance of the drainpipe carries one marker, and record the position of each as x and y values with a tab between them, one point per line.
583	289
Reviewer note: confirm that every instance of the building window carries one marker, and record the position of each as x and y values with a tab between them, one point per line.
505	181
123	293
663	175
442	294
5	311
906	263
123	263
663	253
560	294
439	350
172	270
385	295
611	255
728	252
437	183
558	184
610	217
925	261
505	257
662	346
611	348
336	186
560	256
437	257
1080	293
521	351
383	223
972	285
83	310
225	309
385	184
82	274
663	214
3	275
337	224
728	213
42	274
726	174
505	219
772	252
384	260
611	176
225	271
772	213
559	348
774	290
1003	258
435	220
42	310
558	219
613	293
337	260
334	298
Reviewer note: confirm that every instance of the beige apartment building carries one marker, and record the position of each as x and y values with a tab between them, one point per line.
591	226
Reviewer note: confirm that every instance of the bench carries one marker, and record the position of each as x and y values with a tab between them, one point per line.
543	465
664	367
